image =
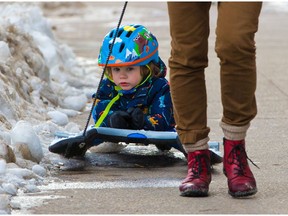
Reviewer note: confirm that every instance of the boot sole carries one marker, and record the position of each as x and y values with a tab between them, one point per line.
192	193
240	194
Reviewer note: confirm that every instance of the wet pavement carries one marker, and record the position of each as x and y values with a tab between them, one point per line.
136	183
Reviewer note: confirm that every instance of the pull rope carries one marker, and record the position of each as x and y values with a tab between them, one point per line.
105	66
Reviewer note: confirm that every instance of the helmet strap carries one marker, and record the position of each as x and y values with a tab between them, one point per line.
147	77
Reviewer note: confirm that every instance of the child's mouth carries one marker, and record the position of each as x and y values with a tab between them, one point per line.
124	84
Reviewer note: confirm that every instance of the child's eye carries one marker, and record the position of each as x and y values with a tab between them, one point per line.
130	68
115	69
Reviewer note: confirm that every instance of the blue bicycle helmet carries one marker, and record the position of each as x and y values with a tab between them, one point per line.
134	45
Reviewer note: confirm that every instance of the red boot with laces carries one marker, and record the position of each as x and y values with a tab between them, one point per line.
241	181
196	184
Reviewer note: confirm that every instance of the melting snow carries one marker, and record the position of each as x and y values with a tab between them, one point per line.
42	84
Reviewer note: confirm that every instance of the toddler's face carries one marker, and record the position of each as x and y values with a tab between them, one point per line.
127	77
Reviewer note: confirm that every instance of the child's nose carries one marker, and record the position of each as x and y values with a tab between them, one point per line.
123	74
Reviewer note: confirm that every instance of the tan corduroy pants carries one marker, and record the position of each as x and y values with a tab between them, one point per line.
235	46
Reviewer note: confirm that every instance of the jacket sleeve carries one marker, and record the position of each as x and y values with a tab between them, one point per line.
160	112
104	97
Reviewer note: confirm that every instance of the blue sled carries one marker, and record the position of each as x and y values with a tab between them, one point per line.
164	140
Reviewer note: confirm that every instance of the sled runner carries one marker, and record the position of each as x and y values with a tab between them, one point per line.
70	145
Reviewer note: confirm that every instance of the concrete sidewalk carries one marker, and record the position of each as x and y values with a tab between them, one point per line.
154	190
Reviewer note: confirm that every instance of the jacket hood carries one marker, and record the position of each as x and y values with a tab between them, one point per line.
163	68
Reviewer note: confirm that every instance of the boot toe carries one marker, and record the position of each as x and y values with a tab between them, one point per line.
242	189
192	189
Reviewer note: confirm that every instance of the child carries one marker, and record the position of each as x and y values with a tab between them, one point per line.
135	93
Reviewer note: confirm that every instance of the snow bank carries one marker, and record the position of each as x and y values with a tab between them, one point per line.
23	136
42	84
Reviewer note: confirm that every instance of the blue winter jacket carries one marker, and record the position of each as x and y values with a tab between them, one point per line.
152	97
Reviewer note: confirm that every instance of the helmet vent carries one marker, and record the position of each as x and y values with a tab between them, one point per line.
120	32
111	34
128	34
121	47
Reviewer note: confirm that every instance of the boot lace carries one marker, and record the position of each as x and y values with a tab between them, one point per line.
197	167
238	156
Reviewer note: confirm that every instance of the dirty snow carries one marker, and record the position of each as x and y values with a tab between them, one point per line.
42	84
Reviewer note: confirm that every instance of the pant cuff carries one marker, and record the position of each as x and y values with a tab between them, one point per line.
199	145
234	132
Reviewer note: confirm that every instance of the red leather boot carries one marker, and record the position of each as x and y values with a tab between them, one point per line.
196	184
241	181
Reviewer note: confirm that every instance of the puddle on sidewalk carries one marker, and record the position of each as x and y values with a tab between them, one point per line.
130	157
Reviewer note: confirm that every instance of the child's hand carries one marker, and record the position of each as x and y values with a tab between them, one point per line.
132	119
137	118
119	119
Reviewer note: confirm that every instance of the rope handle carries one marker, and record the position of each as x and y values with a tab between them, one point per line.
105	66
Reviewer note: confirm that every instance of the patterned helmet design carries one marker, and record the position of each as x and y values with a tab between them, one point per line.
134	45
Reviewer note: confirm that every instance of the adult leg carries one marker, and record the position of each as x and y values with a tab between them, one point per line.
189	29
235	46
